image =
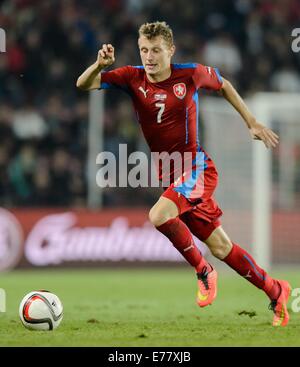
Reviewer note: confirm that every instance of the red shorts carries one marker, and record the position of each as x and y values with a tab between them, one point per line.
200	214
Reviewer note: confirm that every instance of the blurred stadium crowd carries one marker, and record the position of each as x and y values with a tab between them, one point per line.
43	117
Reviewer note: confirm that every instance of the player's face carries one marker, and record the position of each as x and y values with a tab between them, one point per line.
155	54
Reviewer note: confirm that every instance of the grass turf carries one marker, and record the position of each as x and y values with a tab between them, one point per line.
145	307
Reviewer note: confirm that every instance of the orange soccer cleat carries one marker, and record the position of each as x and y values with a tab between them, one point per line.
207	283
279	305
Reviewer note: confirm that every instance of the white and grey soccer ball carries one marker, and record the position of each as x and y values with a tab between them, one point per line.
41	310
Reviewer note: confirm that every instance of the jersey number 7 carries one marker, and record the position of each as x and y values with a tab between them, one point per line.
161	111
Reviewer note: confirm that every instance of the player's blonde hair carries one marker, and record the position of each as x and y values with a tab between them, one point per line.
155	29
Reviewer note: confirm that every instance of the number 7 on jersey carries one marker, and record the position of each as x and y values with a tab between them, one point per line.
160	112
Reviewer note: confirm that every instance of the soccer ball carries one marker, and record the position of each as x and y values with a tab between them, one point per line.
41	310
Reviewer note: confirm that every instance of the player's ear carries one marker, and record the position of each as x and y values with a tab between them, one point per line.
172	50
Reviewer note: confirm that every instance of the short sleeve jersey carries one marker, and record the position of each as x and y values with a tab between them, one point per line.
167	111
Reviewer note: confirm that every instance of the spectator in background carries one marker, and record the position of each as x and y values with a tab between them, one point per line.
21	171
29	124
60	178
286	79
230	63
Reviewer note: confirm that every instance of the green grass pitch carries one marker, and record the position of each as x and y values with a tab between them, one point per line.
146	307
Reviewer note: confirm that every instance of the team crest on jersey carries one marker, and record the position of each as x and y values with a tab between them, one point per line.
179	90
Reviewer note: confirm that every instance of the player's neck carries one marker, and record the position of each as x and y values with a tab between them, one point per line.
160	77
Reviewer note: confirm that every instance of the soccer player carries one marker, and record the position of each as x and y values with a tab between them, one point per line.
165	100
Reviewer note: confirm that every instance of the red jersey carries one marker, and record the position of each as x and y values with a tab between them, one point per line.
167	111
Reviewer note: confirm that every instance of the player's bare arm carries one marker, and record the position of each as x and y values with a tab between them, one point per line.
257	130
90	79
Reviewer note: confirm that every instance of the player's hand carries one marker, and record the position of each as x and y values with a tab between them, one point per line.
266	135
106	55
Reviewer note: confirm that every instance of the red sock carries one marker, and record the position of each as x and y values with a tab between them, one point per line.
244	264
181	237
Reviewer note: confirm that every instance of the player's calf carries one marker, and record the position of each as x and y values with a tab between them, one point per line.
219	243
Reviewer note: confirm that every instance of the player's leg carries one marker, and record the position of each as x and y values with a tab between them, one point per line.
207	280
241	261
164	216
193	188
193	193
244	264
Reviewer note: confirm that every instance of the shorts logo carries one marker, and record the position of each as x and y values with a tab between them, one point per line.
179	90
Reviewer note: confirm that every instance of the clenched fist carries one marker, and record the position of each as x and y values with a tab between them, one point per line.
106	55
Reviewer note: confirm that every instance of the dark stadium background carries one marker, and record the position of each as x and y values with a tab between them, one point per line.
49	44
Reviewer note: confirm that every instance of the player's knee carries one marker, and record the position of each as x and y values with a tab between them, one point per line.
221	248
158	217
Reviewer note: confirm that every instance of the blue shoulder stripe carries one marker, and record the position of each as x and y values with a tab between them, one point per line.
218	75
189	65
